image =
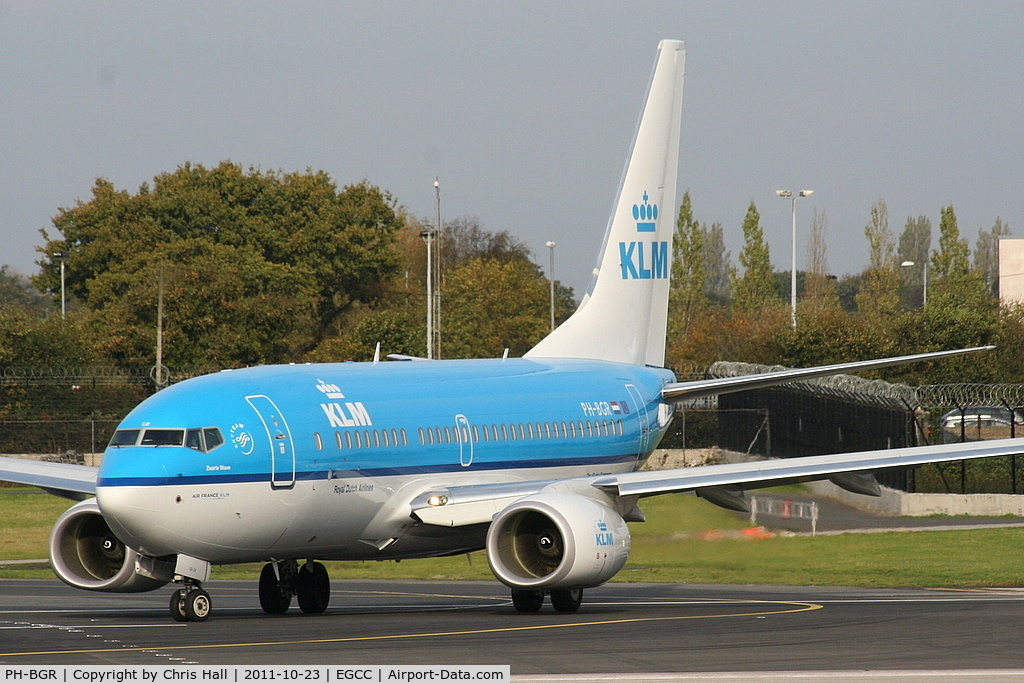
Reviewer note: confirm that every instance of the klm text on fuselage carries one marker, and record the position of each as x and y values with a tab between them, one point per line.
644	260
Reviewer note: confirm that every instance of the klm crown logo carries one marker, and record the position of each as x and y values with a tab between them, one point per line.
645	215
641	260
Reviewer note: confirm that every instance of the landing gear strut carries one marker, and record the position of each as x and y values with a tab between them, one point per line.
279	581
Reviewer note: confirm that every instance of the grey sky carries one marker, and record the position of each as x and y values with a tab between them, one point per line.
525	110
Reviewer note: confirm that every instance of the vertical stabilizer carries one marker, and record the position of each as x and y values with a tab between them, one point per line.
623	317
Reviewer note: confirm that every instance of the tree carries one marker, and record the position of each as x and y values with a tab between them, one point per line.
463	239
986	254
915	243
820	290
493	306
16	292
717	270
248	257
687	300
951	280
879	295
756	286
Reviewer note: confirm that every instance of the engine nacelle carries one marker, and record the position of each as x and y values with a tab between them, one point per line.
84	553
557	541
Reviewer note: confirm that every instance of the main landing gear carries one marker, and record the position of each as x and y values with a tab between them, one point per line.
279	581
562	600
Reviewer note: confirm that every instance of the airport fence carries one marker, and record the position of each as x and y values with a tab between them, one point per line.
846	413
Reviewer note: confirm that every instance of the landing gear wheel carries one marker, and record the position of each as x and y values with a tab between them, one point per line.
567	600
197	605
313	588
273	599
527	601
178	605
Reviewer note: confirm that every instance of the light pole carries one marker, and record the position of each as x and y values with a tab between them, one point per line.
428	237
437	286
924	284
62	255
787	194
551	277
433	301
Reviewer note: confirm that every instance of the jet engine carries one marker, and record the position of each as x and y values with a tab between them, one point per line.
557	541
84	553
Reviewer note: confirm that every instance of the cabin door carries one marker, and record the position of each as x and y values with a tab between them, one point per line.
464	435
282	447
642	416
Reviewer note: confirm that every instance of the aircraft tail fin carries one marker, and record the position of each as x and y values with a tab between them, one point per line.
623	315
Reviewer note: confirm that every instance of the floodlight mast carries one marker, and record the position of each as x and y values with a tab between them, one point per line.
788	194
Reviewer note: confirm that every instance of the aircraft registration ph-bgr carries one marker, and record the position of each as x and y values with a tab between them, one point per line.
532	459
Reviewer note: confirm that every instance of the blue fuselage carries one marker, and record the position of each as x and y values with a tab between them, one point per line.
321	460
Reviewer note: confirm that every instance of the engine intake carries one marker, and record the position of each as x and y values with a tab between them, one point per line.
84	553
557	541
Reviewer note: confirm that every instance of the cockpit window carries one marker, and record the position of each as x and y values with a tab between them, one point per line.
194	440
203	440
124	437
162	437
213	438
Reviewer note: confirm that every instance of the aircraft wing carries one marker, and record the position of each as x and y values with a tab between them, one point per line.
682	391
76	482
477	504
763	473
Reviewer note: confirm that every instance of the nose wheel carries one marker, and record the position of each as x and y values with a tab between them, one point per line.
190	604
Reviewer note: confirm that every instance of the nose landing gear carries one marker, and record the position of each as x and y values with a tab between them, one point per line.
191	603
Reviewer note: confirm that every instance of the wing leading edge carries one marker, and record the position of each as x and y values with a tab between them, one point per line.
682	391
808	468
76	482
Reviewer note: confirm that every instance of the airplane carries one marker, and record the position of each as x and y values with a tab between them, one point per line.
533	460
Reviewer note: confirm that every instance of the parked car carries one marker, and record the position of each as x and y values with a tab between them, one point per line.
977	423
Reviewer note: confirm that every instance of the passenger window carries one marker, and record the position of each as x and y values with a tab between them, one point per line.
405	439
319	441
